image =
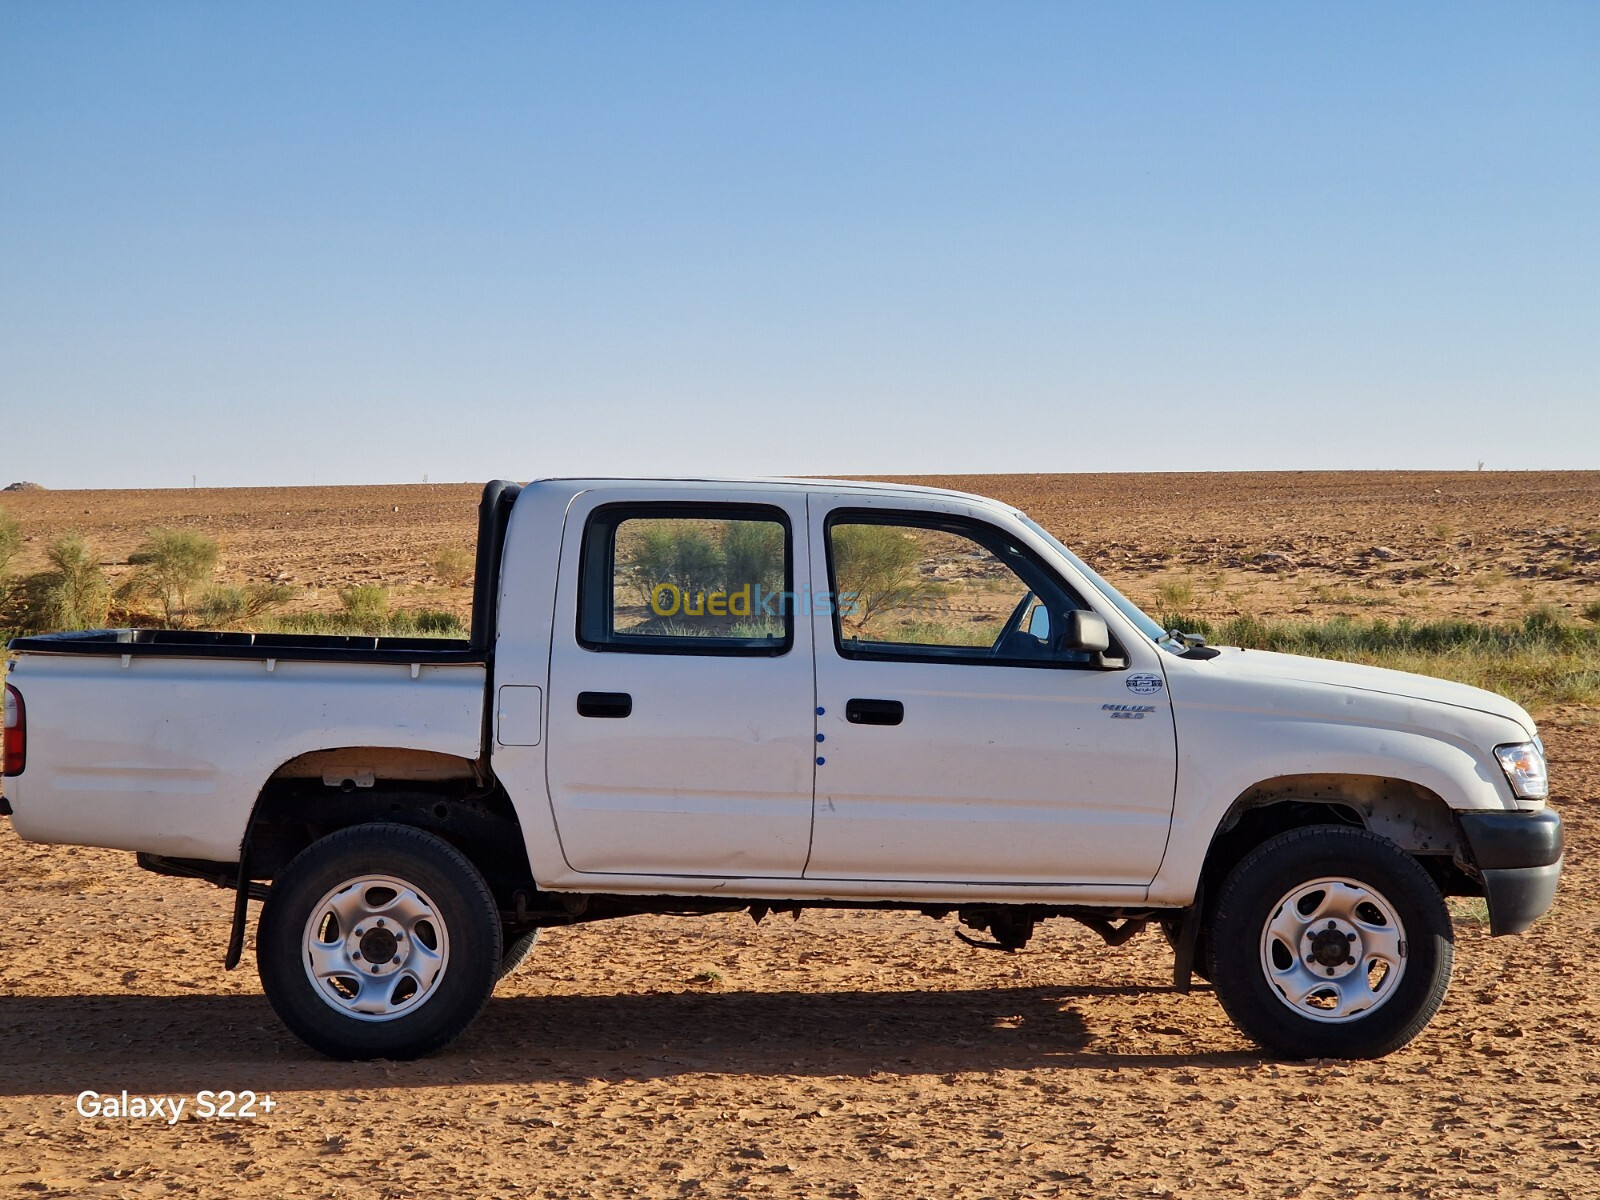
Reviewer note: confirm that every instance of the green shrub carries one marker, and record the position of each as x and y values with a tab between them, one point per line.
752	552
686	555
1547	620
1175	595
433	622
420	622
233	607
677	552
367	606
171	564
453	566
74	593
10	541
319	623
368	616
878	564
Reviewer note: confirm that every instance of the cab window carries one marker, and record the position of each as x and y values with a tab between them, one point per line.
688	579
934	589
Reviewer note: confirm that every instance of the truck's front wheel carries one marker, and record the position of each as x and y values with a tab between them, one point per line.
1330	942
378	941
517	948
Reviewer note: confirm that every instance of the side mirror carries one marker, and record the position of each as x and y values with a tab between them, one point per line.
1085	631
1039	622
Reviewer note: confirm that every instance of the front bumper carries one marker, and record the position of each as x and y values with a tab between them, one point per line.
1518	855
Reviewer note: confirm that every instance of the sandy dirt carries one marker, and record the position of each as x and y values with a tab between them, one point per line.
840	1055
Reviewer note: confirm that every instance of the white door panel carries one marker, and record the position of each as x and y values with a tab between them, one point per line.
995	774
710	774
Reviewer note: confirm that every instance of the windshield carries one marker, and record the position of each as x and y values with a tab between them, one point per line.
1122	604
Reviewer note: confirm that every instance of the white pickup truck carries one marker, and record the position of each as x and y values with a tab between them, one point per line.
695	696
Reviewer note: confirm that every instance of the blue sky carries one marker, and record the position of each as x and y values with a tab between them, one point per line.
348	243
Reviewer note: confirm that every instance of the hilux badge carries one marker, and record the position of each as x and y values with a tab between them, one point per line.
1144	684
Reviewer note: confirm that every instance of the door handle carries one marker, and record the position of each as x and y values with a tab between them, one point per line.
874	712
604	704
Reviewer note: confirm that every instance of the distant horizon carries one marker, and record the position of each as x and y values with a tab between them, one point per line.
35	486
843	473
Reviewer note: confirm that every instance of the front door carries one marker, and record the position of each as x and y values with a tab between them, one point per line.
961	743
682	723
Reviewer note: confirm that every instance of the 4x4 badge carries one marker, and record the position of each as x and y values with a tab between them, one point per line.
1145	684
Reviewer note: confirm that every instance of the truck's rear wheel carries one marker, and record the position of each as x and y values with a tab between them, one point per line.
378	941
1330	942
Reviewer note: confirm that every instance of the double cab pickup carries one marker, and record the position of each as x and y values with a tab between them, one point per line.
697	696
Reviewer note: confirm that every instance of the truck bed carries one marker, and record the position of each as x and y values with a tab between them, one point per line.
164	748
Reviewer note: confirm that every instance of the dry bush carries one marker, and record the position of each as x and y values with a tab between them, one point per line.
366	605
73	594
171	564
236	607
10	541
1175	595
453	566
877	565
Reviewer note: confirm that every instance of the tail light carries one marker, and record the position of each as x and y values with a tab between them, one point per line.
16	732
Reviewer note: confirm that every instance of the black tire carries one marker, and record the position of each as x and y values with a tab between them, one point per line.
1306	886
439	943
517	949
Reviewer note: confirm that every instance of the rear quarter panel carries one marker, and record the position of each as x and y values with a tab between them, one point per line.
167	755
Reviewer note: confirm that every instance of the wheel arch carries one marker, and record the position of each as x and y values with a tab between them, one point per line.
323	791
361	766
1412	816
1415	818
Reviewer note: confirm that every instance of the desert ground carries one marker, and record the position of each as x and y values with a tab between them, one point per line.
840	1055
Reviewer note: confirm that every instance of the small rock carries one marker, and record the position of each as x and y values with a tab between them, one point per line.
1385	553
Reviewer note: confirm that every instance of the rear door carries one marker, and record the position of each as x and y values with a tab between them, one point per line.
682	702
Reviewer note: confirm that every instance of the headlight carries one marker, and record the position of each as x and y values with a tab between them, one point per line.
1525	768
